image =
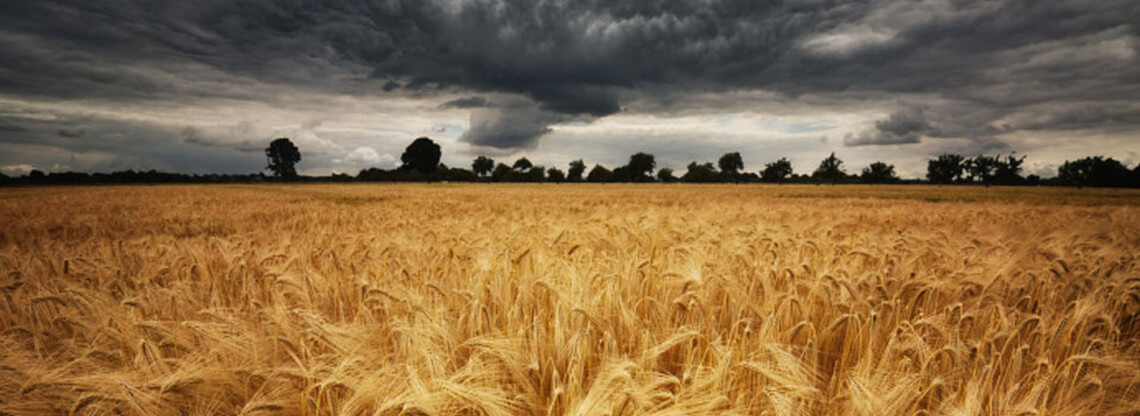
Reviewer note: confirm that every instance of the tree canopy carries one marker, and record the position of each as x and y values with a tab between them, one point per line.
283	157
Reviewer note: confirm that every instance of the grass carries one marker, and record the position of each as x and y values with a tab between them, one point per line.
449	299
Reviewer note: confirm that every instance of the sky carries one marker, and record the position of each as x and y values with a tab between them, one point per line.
204	86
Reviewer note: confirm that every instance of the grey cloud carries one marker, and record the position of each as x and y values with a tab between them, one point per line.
978	64
467	102
196	136
903	127
517	127
12	128
71	132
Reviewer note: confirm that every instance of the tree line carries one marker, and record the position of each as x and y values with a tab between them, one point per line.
420	162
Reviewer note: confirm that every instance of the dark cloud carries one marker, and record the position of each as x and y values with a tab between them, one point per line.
12	128
509	128
198	137
467	102
980	69
71	132
903	127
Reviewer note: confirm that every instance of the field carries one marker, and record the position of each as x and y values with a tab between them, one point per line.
613	300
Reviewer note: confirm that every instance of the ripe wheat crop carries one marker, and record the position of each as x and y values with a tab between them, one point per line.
568	300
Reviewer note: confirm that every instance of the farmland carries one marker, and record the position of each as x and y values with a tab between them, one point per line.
620	300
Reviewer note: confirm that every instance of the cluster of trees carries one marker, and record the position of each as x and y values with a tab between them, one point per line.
420	162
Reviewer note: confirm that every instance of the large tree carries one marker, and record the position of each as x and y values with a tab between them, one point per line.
555	175
946	168
422	155
778	171
283	157
700	173
482	165
599	174
640	167
982	169
879	172
577	168
730	166
523	164
666	175
830	169
1094	171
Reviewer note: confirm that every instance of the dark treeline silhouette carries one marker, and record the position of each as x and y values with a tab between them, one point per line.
420	163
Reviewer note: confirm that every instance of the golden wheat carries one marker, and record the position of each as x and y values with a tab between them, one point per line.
568	300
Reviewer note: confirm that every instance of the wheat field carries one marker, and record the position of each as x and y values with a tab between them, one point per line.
607	300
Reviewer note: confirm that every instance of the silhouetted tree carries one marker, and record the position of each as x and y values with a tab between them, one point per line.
947	168
283	156
523	164
1094	171
830	169
482	165
422	155
730	166
555	175
639	169
666	175
879	172
778	171
535	174
1008	170
4	179
982	169
620	174
599	174
577	168
701	173
36	176
503	173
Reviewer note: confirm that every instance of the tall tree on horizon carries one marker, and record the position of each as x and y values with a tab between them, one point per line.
577	168
422	155
482	165
730	166
283	157
830	169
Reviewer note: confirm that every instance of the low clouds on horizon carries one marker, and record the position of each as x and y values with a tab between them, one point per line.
102	85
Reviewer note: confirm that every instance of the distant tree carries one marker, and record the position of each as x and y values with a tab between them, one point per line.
701	173
730	166
879	172
503	173
982	169
830	169
621	174
482	165
778	171
523	164
947	168
666	175
1008	170
283	157
37	175
1094	171
577	168
640	168
4	179
599	174
555	175
535	174
422	155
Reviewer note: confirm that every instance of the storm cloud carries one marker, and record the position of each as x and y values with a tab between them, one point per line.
937	70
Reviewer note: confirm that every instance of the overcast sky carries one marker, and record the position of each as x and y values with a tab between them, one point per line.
203	86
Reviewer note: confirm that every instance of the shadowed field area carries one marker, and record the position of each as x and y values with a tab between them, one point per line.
615	300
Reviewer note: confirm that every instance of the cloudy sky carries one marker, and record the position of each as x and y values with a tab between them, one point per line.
203	86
